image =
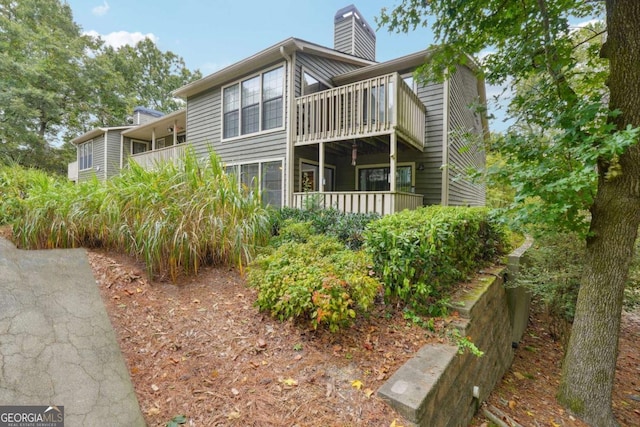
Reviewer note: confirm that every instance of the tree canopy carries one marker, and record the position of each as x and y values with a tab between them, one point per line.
56	82
572	154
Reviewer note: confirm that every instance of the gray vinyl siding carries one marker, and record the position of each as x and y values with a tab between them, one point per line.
98	160
321	68
350	37
429	180
365	45
112	164
465	139
126	151
204	131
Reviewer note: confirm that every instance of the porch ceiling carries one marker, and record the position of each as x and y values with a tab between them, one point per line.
161	125
370	145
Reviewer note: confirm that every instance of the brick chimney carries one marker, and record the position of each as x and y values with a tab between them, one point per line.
353	35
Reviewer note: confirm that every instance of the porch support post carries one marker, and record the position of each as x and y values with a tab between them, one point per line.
175	132
321	167
393	149
153	139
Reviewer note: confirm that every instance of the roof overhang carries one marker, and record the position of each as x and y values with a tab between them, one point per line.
96	132
263	58
145	131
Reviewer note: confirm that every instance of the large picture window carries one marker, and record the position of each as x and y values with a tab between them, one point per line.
254	104
377	178
85	156
264	176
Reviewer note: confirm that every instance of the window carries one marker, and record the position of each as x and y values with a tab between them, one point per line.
182	138
160	143
85	156
254	104
311	85
138	147
310	176
265	176
410	81
377	178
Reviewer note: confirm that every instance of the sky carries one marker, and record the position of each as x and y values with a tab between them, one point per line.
213	34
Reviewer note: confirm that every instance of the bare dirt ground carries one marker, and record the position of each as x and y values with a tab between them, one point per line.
200	348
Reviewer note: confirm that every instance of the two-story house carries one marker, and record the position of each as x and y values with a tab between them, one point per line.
303	120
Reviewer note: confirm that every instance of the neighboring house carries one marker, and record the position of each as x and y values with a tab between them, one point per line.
302	120
103	151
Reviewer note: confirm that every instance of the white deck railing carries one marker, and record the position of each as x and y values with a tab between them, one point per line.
149	159
72	171
366	108
381	202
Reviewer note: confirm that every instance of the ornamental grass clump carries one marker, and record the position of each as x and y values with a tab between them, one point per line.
175	217
419	254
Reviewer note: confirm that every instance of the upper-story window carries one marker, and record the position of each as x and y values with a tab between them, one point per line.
311	85
254	104
85	156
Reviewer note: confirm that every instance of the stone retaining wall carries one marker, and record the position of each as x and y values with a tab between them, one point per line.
438	386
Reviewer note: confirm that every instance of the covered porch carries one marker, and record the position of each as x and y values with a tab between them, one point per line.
158	141
356	147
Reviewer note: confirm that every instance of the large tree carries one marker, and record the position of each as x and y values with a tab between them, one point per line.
574	146
41	55
56	82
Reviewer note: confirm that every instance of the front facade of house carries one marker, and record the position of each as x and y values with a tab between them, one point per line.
332	126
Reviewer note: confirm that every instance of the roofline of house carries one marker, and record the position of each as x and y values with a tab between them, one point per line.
263	58
96	132
165	120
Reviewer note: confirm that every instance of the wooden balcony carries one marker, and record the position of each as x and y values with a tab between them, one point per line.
381	202
149	159
367	108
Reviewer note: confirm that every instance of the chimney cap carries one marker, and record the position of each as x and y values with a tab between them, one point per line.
351	10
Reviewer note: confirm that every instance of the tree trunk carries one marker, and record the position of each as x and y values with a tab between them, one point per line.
589	366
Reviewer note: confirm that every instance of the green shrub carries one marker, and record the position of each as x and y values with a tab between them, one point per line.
420	253
318	281
346	227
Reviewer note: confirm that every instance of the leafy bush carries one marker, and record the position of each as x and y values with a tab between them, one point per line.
346	227
175	217
420	253
318	281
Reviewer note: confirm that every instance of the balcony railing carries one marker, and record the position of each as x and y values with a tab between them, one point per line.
381	202
72	171
149	159
370	107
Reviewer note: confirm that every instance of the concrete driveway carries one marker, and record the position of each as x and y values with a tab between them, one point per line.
57	346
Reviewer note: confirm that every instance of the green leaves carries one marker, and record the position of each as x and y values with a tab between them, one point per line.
419	254
318	280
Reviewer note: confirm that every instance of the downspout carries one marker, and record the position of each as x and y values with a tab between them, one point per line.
445	143
106	136
121	150
290	128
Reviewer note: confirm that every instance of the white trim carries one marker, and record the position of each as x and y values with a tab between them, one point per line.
384	165
158	143
238	82
444	197
302	160
106	152
78	157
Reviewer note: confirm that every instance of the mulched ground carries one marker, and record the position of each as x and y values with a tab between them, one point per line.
200	348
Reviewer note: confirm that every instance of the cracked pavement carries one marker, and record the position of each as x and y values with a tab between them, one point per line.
57	345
